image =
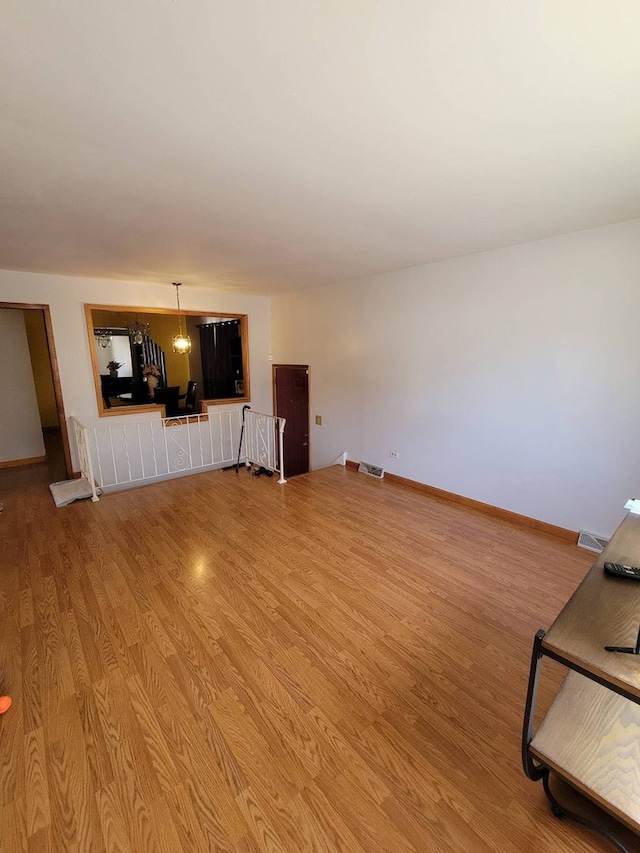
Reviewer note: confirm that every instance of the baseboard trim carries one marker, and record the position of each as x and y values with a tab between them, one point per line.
479	506
15	463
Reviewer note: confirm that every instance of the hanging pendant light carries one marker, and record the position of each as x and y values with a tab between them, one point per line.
181	342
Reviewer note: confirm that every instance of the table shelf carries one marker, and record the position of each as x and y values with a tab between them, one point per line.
590	735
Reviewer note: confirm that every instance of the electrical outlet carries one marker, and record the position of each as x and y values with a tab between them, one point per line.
318	420
394	454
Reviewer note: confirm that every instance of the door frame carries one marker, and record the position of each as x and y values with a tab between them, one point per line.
306	367
55	374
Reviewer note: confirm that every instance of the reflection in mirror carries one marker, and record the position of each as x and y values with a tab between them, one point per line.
114	347
134	370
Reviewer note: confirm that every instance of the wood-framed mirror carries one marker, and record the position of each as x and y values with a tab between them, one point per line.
136	370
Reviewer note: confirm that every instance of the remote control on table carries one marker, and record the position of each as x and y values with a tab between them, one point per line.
619	570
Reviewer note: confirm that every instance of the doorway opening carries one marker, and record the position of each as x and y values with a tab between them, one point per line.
36	427
291	401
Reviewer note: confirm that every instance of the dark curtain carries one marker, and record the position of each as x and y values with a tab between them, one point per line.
208	358
217	348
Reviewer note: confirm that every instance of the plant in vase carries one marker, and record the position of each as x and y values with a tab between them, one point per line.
113	367
151	373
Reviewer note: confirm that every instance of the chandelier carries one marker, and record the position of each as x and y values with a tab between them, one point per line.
103	337
138	331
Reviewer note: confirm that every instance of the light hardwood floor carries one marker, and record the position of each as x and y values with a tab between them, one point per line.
220	663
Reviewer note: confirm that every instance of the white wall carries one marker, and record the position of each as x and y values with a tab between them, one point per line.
511	377
67	297
20	429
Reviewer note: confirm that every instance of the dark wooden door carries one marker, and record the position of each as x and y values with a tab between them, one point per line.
291	382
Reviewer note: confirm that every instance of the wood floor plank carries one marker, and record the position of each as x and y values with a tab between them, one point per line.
212	822
186	824
323	828
37	802
93	741
41	841
30	682
113	821
13	826
219	663
198	762
12	765
355	805
262	828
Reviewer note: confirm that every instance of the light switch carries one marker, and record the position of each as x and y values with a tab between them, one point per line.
318	420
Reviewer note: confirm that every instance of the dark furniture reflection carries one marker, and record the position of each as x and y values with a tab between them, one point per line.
169	398
189	398
113	386
140	392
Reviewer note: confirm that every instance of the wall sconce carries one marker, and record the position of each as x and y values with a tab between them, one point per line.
181	342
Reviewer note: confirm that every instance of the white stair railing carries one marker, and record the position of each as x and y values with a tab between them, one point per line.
116	454
263	441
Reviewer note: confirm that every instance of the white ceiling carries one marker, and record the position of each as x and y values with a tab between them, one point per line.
265	145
